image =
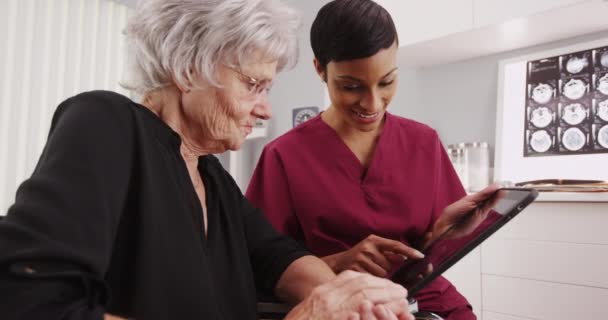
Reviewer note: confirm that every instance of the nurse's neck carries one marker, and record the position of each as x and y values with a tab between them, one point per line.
360	139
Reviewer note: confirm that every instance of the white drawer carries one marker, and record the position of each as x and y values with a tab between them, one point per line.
542	300
486	315
576	222
578	264
466	277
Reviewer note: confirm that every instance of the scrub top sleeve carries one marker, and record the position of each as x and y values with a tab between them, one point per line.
269	190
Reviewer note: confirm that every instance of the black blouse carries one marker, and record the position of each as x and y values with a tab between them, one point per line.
110	222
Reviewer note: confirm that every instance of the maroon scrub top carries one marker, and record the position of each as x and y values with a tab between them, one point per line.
313	188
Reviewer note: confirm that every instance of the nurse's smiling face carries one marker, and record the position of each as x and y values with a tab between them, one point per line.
360	90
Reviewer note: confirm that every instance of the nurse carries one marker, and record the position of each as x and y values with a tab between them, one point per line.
359	186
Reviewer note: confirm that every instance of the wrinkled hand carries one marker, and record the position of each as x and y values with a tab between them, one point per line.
353	296
455	212
374	255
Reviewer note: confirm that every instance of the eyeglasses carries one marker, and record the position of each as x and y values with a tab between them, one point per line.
254	86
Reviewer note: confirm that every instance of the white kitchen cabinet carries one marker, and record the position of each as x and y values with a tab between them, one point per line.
549	263
498	316
489	12
232	161
234	156
419	21
542	300
466	277
438	32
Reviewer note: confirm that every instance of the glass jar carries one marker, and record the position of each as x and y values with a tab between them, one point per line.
477	155
457	157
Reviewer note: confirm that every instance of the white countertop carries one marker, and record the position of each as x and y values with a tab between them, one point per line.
572	197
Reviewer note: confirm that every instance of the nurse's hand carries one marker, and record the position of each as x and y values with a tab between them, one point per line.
455	212
352	295
374	255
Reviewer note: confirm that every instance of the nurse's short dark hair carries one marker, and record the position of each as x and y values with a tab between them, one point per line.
351	29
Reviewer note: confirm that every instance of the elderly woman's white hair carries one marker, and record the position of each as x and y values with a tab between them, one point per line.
172	40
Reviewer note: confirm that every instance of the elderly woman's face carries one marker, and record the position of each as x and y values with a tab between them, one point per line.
227	115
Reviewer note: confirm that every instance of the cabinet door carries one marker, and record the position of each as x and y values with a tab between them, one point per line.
500	316
532	299
418	21
466	277
548	263
489	12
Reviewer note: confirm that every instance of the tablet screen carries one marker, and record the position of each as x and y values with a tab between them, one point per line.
476	226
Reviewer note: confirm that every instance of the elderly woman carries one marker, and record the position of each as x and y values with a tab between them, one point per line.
129	214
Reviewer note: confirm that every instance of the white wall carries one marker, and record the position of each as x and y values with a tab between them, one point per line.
69	46
459	99
292	89
300	86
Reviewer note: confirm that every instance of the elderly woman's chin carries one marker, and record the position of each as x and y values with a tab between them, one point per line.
235	142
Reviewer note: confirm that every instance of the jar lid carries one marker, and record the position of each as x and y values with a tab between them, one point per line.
475	144
455	151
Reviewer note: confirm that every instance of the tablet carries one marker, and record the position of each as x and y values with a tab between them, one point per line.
456	242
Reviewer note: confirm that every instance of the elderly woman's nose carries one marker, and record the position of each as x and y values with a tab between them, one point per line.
262	108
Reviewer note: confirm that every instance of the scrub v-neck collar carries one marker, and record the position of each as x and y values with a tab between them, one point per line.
361	172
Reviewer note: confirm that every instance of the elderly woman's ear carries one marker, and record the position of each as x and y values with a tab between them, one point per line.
185	87
181	88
